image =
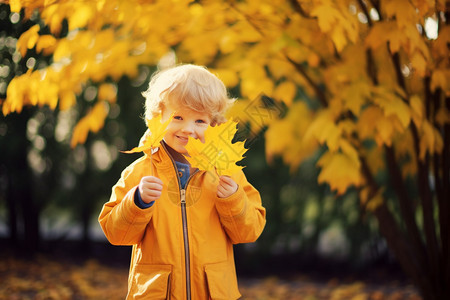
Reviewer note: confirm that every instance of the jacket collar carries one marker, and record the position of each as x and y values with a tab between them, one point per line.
160	156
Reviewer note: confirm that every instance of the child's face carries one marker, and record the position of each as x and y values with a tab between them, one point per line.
185	123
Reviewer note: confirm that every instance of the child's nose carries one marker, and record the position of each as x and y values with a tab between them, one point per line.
188	129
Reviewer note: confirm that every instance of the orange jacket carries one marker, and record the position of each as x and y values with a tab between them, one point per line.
183	244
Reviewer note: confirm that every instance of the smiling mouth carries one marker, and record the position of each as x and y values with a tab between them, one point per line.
183	138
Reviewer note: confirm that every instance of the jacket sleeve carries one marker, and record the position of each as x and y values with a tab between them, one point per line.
122	221
242	213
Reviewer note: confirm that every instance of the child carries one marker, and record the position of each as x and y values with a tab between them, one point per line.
182	222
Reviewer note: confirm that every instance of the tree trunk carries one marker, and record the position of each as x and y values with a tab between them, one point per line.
22	189
12	209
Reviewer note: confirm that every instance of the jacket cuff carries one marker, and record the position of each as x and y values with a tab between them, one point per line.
232	205
132	213
139	202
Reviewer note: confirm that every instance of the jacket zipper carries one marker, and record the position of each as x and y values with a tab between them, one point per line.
187	258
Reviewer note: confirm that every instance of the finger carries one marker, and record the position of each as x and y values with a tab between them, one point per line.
152	179
153	186
150	196
152	193
149	191
150	183
220	194
226	181
221	188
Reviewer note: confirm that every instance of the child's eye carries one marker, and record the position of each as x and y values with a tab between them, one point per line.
177	118
201	121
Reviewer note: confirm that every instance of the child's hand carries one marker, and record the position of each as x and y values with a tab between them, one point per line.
226	187
150	188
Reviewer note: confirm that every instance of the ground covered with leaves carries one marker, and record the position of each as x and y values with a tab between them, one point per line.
44	277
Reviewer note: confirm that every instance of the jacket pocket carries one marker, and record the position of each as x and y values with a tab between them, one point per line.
222	281
150	282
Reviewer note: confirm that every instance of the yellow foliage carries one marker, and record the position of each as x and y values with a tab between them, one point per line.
324	129
92	121
28	39
350	291
333	20
279	138
392	105
346	63
281	133
443	116
441	79
417	110
439	46
419	63
229	77
67	100
373	124
45	43
107	92
81	15
15	5
339	171
430	140
285	91
403	11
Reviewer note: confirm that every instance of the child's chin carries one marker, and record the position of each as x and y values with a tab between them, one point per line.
181	150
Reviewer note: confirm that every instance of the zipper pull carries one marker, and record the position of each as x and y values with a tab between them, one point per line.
183	196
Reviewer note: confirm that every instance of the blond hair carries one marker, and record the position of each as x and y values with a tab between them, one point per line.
188	86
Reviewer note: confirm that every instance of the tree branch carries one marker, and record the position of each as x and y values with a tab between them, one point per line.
366	12
298	8
432	248
446	195
405	204
319	93
398	71
376	5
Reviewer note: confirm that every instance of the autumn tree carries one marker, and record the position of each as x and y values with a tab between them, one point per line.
368	81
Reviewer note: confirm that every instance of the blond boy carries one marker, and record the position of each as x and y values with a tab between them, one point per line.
182	222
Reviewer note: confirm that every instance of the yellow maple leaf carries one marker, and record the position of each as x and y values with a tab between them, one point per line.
157	129
67	100
392	105
419	63
107	92
15	6
28	39
324	130
46	43
430	140
218	152
339	171
285	91
93	121
278	137
417	109
80	17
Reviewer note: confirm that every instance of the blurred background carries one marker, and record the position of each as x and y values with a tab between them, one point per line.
347	129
